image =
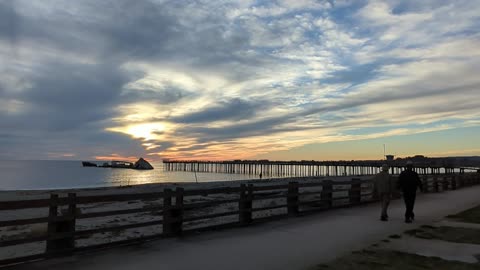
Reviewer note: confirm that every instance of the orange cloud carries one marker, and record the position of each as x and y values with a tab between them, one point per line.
116	157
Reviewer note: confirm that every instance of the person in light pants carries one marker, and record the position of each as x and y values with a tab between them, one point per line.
384	187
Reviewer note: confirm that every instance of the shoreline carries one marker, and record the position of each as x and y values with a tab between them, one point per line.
7	195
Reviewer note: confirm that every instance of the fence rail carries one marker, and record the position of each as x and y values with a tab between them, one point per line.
181	207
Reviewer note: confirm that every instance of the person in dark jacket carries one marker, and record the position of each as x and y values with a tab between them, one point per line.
408	183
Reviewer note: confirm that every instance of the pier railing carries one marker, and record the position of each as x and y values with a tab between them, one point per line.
172	213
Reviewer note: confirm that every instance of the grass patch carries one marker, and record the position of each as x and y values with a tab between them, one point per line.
445	233
393	260
471	215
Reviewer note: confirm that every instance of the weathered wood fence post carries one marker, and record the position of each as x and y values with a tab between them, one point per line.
177	213
245	204
72	220
171	217
466	179
327	193
355	191
61	229
454	181
435	183
445	183
52	222
375	194
425	184
461	182
292	199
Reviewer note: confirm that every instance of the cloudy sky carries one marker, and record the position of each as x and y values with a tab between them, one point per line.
193	79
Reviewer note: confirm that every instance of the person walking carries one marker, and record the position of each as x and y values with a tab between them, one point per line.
384	188
408	183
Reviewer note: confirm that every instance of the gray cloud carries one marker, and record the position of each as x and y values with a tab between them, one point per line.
76	95
159	96
231	132
234	109
8	21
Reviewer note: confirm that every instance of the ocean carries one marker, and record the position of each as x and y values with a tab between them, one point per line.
54	174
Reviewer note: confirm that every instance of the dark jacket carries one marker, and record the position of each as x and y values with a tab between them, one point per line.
408	182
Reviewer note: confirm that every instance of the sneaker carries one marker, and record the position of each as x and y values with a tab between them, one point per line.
407	220
384	218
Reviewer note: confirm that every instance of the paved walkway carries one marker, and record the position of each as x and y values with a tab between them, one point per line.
296	243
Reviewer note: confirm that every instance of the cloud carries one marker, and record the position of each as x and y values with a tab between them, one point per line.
235	109
229	78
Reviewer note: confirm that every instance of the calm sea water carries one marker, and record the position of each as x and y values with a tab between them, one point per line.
71	174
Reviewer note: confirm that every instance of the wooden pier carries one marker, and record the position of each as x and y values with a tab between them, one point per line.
270	169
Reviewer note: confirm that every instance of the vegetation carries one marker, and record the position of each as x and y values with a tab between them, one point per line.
450	234
471	215
392	260
375	258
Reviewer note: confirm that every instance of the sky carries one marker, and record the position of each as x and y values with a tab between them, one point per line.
200	79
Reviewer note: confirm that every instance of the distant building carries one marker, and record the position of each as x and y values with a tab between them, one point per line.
389	157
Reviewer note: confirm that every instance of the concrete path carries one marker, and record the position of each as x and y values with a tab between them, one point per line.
296	243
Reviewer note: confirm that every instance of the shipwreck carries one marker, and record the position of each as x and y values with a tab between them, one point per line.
140	164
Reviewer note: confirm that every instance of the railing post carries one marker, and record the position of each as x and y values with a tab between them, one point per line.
292	199
425	184
445	183
375	194
461	181
327	193
177	213
61	225
355	191
173	214
245	204
72	213
52	223
167	209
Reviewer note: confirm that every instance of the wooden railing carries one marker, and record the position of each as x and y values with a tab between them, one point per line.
178	208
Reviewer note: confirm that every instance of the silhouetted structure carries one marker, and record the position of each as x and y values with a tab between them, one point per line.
313	168
140	164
